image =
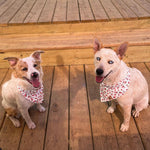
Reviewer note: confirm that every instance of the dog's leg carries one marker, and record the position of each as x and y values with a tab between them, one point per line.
27	118
112	107
40	108
143	104
15	121
127	114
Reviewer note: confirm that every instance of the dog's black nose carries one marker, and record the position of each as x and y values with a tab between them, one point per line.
99	72
34	75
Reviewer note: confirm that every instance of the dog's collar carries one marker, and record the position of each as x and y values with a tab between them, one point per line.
34	96
108	93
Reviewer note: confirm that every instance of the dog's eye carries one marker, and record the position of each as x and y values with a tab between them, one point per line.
25	69
98	58
110	62
35	65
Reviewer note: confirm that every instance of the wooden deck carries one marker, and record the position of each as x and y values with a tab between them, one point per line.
75	118
53	11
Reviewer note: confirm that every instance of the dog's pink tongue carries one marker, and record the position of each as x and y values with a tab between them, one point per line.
99	79
35	82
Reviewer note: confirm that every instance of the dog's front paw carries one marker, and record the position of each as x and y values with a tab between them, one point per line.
16	123
124	127
110	110
41	108
135	113
32	125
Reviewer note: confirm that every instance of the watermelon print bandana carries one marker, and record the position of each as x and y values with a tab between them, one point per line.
34	96
108	93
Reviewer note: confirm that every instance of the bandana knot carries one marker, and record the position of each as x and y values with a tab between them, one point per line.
34	96
108	93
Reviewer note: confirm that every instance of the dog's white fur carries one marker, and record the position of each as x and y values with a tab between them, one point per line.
137	93
13	102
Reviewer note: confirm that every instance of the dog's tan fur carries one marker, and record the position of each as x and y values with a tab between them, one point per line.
137	93
13	102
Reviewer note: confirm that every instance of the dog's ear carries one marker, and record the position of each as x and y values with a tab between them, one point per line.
12	61
122	49
37	55
97	46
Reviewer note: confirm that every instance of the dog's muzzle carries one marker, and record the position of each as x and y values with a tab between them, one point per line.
99	78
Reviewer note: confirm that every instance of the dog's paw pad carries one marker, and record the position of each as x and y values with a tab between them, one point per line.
135	113
124	127
16	123
110	110
32	125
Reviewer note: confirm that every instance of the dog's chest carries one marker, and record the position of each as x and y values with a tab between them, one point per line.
108	93
34	96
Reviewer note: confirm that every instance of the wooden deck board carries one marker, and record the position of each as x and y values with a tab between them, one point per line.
72	41
74	116
111	10
7	16
124	10
48	11
35	12
73	11
80	131
98	10
52	11
129	140
137	9
57	125
2	80
60	14
23	12
144	4
85	11
5	5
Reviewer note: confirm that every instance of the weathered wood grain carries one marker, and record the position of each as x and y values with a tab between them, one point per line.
125	11
23	12
72	41
111	10
60	14
80	129
48	11
73	13
3	78
137	9
5	5
57	124
7	16
98	10
35	12
75	27
85	10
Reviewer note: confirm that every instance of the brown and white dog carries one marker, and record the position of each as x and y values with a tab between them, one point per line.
118	81
24	89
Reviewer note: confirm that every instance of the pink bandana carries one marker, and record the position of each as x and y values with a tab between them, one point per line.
34	96
108	93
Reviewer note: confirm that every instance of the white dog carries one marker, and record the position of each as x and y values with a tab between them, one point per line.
24	89
118	81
